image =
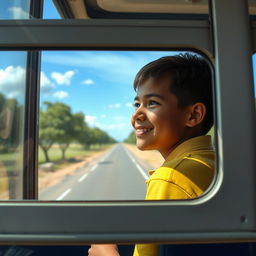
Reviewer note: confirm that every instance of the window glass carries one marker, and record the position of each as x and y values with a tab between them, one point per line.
254	72
87	145
12	99
18	9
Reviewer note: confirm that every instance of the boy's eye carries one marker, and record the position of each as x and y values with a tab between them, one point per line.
136	104
153	103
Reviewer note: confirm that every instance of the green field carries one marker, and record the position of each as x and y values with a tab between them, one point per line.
74	150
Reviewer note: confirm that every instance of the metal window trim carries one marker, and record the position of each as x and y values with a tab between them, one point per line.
48	34
30	148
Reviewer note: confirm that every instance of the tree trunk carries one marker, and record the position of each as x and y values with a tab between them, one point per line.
63	151
63	148
45	150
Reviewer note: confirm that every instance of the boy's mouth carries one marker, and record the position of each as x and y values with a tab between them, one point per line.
142	131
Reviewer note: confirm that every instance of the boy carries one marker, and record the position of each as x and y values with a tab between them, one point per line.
173	112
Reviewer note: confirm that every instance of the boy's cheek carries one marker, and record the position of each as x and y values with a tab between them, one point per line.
132	121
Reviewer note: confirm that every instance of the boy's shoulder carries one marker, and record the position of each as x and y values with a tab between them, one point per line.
192	171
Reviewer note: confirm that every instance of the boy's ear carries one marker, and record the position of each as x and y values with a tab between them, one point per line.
197	114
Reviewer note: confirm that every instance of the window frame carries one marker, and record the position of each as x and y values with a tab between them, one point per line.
212	217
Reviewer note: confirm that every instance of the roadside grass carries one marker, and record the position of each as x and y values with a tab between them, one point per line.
74	153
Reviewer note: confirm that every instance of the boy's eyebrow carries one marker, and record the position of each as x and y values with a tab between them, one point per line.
151	95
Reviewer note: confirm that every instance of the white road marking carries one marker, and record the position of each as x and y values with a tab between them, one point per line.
142	171
83	177
94	167
145	176
64	194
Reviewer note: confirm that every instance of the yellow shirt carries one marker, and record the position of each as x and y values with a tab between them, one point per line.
186	173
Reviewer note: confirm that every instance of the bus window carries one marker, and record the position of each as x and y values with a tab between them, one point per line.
87	145
12	100
15	9
254	73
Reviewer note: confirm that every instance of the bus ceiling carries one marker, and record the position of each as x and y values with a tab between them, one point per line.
133	9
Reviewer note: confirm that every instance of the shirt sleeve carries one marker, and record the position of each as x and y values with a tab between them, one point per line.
146	250
163	190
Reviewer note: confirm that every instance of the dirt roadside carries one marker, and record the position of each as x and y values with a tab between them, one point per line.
52	178
152	157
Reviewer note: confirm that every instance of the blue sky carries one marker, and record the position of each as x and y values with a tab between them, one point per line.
97	83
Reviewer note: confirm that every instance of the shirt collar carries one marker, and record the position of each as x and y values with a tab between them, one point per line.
194	144
197	143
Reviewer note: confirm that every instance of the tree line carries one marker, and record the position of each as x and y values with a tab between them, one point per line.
131	139
58	125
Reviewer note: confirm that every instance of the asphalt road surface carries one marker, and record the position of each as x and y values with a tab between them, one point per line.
117	175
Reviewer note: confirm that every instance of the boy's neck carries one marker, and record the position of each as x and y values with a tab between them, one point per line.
186	137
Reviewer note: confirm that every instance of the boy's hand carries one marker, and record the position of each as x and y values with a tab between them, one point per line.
103	250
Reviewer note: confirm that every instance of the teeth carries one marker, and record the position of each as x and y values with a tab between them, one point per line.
143	130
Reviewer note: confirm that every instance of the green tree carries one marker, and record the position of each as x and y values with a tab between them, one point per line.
131	139
55	127
101	137
81	128
95	136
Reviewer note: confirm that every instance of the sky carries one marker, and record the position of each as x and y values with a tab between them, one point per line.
97	83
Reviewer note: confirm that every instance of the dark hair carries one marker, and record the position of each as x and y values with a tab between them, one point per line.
190	81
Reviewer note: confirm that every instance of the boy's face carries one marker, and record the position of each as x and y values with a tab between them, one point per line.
158	122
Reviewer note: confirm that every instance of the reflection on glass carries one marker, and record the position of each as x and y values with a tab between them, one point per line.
13	10
12	91
252	7
87	149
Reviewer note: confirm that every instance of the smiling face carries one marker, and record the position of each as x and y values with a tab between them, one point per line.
158	122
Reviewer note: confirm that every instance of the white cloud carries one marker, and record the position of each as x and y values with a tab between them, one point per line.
60	94
103	116
88	82
45	83
111	66
117	105
63	79
12	81
91	120
18	13
128	105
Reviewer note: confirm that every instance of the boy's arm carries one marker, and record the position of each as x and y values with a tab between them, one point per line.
103	250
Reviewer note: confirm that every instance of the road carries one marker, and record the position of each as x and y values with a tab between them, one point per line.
117	175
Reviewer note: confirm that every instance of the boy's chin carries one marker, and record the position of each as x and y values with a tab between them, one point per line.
142	146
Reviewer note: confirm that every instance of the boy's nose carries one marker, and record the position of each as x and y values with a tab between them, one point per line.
139	115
